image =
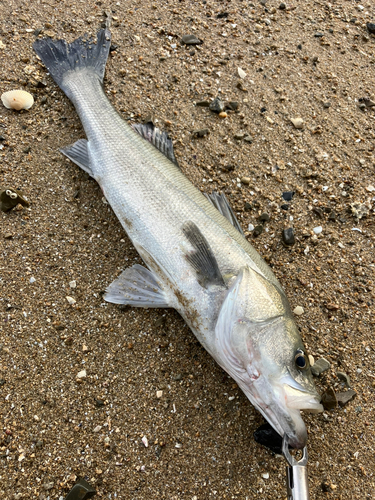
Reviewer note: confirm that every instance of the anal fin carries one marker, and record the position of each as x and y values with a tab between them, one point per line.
137	287
78	154
202	258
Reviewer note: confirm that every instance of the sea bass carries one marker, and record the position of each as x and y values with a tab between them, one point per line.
196	257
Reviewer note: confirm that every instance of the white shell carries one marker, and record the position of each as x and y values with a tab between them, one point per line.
17	99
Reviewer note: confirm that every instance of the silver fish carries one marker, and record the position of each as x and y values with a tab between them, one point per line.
197	259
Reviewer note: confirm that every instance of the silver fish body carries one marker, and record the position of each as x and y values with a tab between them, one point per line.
197	261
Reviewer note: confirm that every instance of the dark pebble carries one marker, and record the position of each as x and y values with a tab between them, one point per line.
318	35
43	100
264	218
332	216
329	400
82	490
285	207
282	6
248	206
299	46
343	398
191	40
268	437
371	27
8	236
222	15
2	382
326	105
318	212
288	236
258	230
326	487
288	195
113	47
228	168
203	104
2	138
99	403
263	110
192	52
217	105
201	132
233	105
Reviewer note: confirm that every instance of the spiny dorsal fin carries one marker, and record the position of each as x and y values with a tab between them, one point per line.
160	140
202	258
220	202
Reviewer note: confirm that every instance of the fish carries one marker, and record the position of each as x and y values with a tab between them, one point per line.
196	257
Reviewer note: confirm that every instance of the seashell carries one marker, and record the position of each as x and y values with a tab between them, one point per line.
17	99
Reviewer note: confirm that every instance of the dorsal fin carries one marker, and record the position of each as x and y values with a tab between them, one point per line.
220	202
160	140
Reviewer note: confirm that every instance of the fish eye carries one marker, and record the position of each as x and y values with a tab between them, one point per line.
301	360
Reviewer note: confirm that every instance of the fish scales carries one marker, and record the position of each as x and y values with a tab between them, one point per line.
196	260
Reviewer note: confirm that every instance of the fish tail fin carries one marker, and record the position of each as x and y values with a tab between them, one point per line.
85	53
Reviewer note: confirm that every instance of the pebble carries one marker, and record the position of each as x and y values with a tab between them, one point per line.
264	218
73	284
371	28
159	394
71	300
245	180
145	441
288	195
318	229
201	132
239	136
343	398
321	365
223	114
82	374
288	236
282	6
97	428
297	122
191	40
258	230
217	105
233	105
82	490
299	310
326	105
250	227
32	279
344	377
203	104
329	400
241	73
8	236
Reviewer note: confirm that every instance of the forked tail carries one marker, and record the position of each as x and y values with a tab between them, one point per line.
62	58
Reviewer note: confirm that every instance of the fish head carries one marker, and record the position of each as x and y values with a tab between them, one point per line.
262	350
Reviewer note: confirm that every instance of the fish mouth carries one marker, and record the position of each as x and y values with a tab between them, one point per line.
282	407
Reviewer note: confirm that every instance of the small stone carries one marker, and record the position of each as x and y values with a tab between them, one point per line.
329	400
343	398
233	105
217	105
48	486
82	490
248	139
223	114
241	73
145	441
288	195
318	229
201	132
239	136
264	218
245	180
282	6
321	365
299	310
71	300
97	428
191	40
258	230
344	377
82	374
32	279
285	206
250	227
8	236
371	28
159	394
297	122
73	284
203	104
319	35
326	105
288	236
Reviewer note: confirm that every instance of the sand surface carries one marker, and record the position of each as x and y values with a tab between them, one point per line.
312	60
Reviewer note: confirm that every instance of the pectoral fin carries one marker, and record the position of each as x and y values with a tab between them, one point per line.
137	287
202	258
